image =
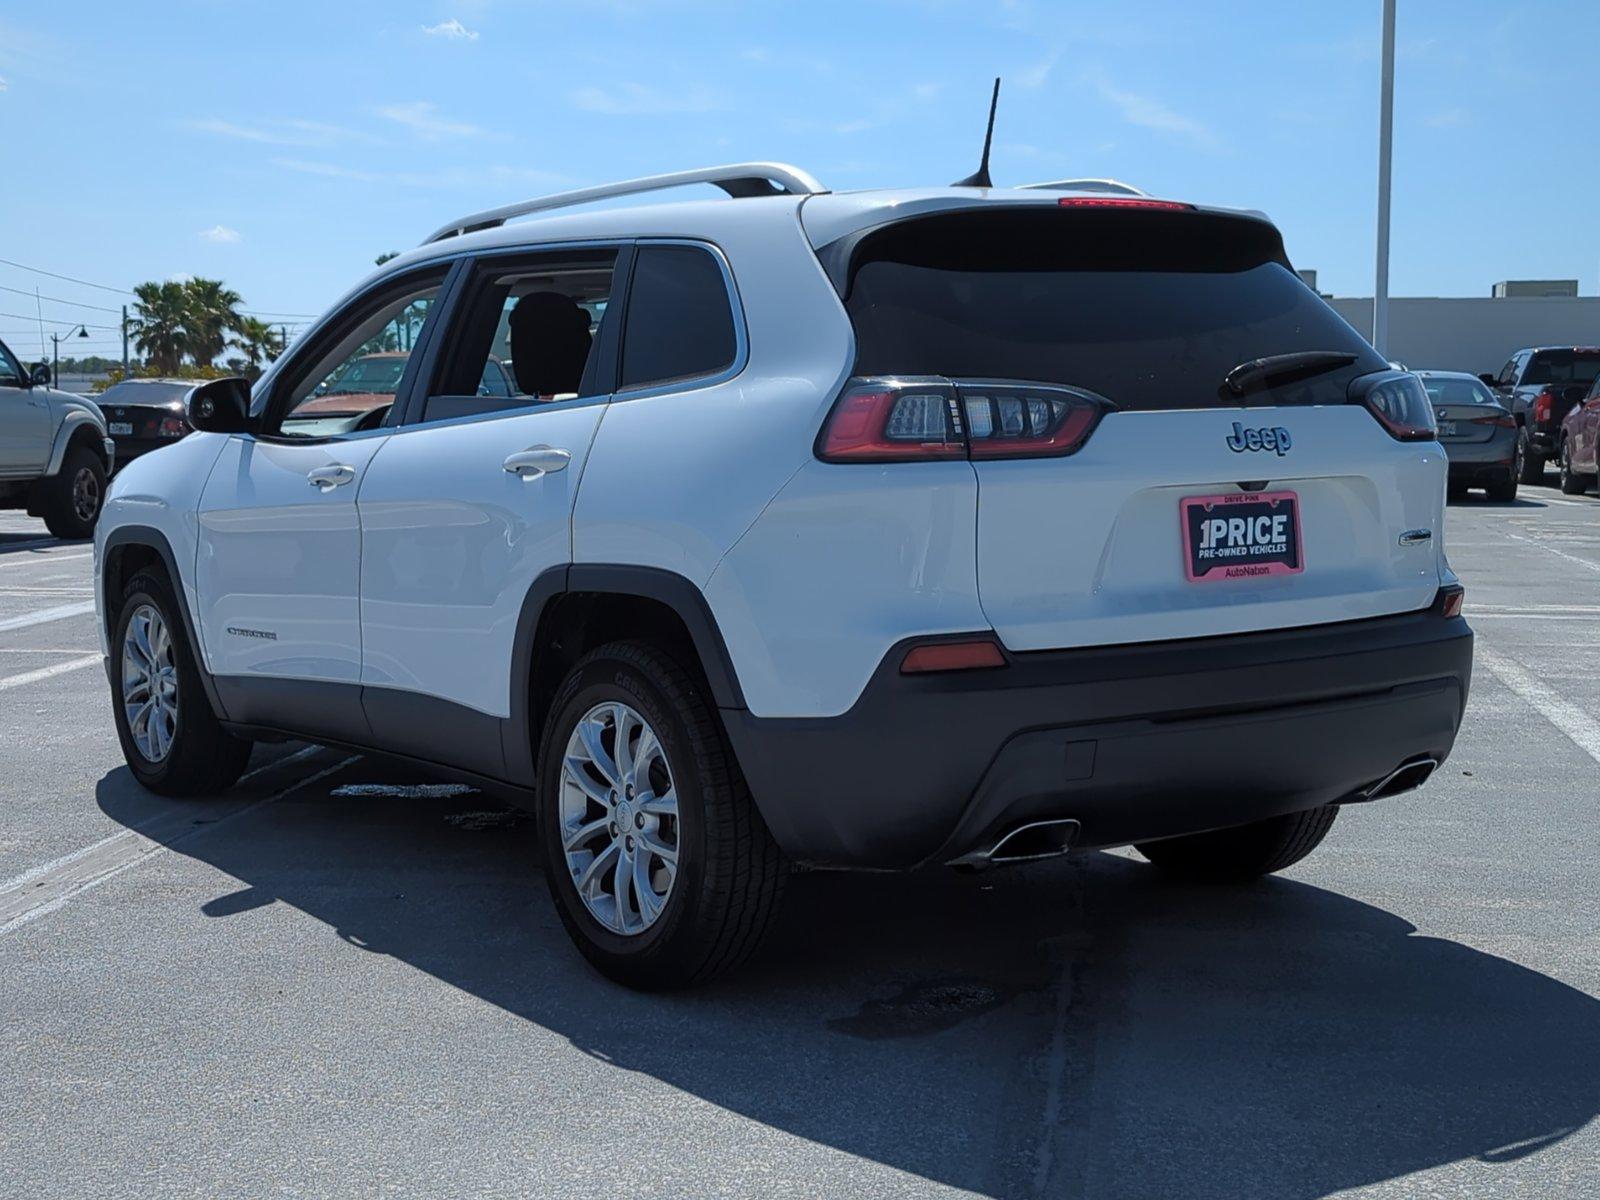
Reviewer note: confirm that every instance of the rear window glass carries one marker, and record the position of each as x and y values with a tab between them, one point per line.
144	393
679	321
1150	310
1457	391
1563	366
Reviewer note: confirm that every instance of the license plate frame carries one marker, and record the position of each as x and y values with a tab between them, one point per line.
120	428
1240	555
1447	429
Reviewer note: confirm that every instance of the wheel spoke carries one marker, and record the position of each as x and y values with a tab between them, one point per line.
648	750
622	888
666	853
596	868
664	805
575	838
623	722
589	734
644	891
576	774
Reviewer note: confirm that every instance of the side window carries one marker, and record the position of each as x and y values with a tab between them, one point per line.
1508	373
680	321
527	333
10	369
352	384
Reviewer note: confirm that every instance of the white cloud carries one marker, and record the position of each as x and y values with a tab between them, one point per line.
3	84
638	100
1149	113
1448	118
452	30
420	117
452	178
220	235
281	132
1038	74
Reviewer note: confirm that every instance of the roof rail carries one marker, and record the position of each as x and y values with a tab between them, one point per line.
737	179
1114	186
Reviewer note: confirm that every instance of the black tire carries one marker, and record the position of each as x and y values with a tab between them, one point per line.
1504	490
1532	460
1573	483
71	499
203	757
1244	852
730	873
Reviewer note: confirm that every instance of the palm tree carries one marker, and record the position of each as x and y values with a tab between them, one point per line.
258	340
160	314
212	313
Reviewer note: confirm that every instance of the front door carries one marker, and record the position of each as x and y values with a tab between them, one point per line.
471	501
278	574
25	425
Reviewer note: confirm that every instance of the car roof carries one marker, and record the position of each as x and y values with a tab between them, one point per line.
1432	374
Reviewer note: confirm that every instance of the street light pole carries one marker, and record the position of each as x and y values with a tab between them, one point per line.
55	351
1380	288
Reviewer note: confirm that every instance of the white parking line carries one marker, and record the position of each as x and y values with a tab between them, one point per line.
7	682
1572	558
23	560
1573	721
45	615
53	885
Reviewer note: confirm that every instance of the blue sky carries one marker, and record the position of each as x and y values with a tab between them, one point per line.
281	147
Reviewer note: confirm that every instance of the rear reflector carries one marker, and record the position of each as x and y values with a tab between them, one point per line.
920	420
1450	600
952	656
1123	202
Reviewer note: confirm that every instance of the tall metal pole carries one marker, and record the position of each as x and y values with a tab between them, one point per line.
55	361
1380	288
124	341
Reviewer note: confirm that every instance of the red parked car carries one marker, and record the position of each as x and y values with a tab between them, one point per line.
1580	434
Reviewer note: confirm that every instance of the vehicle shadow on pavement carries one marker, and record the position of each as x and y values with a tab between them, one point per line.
1073	1026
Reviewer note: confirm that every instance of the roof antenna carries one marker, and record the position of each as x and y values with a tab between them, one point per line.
980	177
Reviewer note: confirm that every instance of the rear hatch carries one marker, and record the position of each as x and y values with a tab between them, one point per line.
1466	410
1180	506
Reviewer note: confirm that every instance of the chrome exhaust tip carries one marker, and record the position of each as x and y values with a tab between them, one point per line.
1404	778
1029	842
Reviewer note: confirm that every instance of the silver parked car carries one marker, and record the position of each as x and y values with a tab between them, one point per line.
1478	433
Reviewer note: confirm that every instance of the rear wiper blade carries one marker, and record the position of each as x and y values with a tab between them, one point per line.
1283	368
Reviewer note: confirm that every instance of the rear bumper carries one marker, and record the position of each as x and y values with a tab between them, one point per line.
1476	460
1133	742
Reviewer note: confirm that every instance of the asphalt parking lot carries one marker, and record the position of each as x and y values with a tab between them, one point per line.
343	979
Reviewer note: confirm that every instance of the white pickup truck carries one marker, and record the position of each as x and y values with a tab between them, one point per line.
55	453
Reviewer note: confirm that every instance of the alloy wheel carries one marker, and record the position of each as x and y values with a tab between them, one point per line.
619	818
149	683
85	495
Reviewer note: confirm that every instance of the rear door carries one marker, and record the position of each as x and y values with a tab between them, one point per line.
472	499
1190	510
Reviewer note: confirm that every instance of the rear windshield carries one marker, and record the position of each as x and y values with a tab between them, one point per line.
1563	366
158	394
1457	391
1150	310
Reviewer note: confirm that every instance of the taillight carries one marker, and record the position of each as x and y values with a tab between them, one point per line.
1542	404
172	427
1450	599
919	420
884	420
1123	202
1500	421
1399	402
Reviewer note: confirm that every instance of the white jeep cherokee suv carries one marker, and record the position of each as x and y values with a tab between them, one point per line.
863	530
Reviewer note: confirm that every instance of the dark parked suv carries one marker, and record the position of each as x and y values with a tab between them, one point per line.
1540	385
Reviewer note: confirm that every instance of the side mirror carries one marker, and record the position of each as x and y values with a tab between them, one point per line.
39	375
1488	380
220	406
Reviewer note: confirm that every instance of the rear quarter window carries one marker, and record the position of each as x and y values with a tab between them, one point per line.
679	320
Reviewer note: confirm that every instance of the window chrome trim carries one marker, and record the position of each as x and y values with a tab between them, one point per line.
741	337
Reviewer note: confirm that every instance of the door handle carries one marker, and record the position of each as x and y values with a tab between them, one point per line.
1416	537
537	460
328	478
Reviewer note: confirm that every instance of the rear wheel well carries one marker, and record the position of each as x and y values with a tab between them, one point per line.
576	622
86	436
